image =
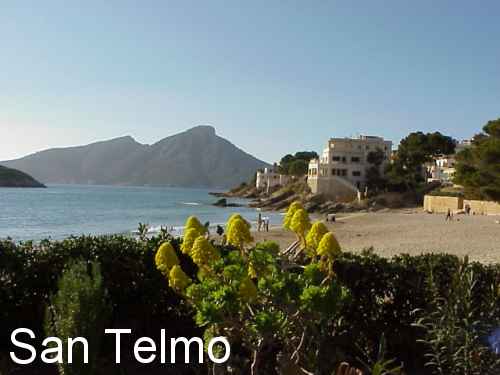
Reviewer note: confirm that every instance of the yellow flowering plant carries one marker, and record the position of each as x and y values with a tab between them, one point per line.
166	258
190	235
300	224
314	236
238	233
255	299
193	223
294	207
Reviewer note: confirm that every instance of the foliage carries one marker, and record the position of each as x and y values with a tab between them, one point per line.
374	179
78	309
298	167
257	302
406	172
456	329
382	295
478	167
383	366
297	164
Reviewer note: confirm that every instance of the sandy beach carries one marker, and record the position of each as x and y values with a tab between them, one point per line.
412	232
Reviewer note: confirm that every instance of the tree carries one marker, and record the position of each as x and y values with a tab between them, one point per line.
478	167
297	164
407	170
298	168
374	179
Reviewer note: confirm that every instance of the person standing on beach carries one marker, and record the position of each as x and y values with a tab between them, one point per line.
259	222
448	216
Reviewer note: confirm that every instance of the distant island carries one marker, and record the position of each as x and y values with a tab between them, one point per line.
17	179
197	157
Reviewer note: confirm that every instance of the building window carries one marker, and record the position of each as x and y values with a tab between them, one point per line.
356	173
344	172
333	172
355	159
344	159
336	158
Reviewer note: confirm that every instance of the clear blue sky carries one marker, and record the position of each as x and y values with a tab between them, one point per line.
272	77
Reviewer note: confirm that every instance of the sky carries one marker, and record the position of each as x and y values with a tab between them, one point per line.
273	77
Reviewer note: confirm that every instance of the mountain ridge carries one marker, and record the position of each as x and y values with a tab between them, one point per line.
196	157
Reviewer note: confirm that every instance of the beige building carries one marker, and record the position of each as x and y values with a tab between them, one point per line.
340	172
269	178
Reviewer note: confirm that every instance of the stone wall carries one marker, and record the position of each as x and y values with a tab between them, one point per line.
483	207
333	188
442	204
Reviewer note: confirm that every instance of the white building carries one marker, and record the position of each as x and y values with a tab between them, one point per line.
340	172
443	167
269	178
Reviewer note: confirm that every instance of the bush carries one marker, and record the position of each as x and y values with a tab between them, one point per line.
383	295
78	309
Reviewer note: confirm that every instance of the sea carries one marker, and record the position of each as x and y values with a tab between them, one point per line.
61	211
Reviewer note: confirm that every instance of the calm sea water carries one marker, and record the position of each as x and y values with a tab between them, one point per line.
63	210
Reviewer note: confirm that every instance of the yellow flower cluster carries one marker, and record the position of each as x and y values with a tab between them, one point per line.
190	235
167	263
193	223
300	223
314	236
238	231
203	252
294	207
177	279
166	258
329	247
248	290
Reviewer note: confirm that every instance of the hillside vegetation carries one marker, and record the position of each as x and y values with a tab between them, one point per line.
14	178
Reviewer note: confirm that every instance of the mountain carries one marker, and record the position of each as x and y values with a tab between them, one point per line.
14	178
197	157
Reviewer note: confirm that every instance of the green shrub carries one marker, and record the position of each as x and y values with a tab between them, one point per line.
456	327
383	294
78	309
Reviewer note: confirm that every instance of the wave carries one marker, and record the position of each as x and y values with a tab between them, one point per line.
191	203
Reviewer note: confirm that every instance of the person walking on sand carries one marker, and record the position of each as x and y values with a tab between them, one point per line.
259	222
449	216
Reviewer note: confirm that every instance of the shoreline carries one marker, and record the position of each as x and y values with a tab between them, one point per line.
408	231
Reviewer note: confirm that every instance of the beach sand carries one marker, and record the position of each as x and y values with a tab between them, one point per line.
411	232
